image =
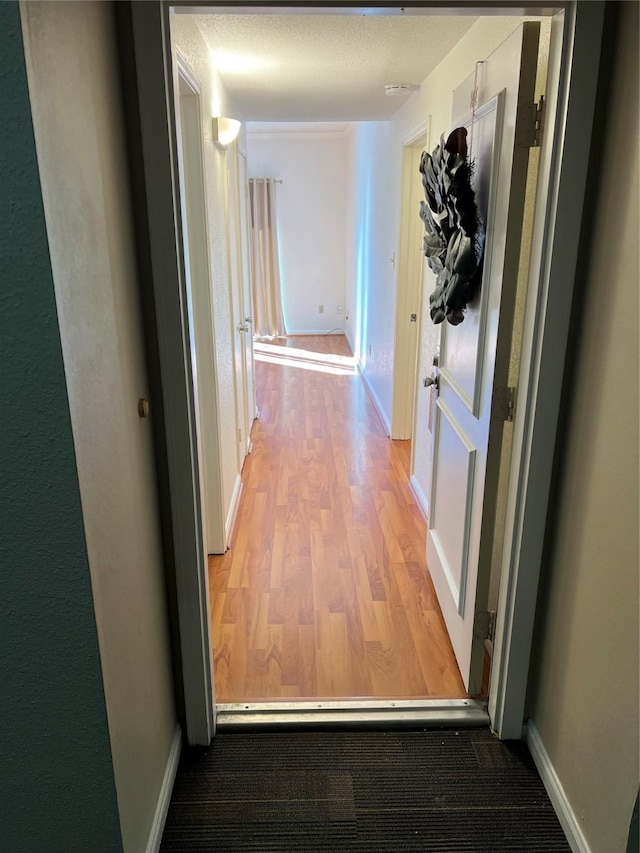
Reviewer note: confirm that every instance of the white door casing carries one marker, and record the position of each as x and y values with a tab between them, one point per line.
474	356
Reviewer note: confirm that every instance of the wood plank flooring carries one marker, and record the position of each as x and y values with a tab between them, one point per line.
325	590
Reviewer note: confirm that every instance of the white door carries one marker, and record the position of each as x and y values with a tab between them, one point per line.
247	292
410	267
474	356
240	327
199	308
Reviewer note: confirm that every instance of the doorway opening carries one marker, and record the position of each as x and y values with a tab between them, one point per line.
325	591
577	32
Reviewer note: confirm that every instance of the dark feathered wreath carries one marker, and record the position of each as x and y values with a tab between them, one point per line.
452	242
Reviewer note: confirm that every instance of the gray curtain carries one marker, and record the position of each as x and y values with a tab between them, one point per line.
267	294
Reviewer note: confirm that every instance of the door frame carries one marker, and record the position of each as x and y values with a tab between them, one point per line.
206	399
409	287
557	232
247	300
161	186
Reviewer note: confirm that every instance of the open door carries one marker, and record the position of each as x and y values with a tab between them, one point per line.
247	294
240	327
199	307
496	105
410	275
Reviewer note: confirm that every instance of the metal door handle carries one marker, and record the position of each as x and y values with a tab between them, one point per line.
248	319
428	381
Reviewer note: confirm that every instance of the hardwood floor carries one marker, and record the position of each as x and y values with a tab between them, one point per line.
325	591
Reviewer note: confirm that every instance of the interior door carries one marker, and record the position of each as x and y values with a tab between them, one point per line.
247	295
199	310
495	104
241	328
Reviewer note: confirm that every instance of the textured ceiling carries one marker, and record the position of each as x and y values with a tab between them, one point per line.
325	67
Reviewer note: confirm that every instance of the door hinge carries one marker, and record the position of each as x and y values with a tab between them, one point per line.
531	124
504	404
485	625
491	627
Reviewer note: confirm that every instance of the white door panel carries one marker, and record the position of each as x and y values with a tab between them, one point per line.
474	356
454	468
463	346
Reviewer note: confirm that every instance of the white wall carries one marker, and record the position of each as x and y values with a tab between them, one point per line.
585	691
374	214
72	64
311	211
215	101
375	181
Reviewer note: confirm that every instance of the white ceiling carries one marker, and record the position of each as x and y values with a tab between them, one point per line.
325	67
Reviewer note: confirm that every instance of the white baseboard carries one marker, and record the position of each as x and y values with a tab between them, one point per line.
375	400
423	503
334	331
349	341
559	800
233	510
157	827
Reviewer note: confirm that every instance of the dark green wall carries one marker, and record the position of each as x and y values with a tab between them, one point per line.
57	789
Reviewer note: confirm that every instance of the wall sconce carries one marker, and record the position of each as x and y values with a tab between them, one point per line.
225	131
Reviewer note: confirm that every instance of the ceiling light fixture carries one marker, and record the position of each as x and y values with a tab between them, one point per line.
225	131
399	88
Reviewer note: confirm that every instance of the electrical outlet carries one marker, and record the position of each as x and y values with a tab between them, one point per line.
339	309
320	309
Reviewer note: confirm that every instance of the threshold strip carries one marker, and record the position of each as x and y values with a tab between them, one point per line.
359	713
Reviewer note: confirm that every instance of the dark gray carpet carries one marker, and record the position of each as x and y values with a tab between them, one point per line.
442	791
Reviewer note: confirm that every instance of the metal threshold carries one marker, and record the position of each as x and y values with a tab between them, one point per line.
355	713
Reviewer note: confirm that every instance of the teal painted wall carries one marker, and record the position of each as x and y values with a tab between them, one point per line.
57	790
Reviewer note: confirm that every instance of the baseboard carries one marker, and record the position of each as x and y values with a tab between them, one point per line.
232	515
350	342
422	502
157	827
334	331
376	402
559	800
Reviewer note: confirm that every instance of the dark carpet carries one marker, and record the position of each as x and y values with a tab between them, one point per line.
443	791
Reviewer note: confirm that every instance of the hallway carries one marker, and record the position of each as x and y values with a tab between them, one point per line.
325	591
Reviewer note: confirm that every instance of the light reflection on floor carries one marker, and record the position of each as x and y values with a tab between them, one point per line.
340	365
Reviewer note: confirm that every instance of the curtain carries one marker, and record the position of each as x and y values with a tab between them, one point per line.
267	295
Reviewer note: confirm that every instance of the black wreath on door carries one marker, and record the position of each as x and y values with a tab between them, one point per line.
452	243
